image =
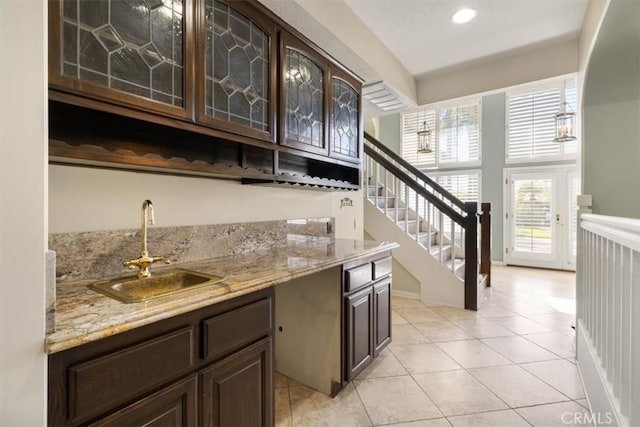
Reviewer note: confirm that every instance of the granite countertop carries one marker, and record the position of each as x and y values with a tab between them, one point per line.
84	315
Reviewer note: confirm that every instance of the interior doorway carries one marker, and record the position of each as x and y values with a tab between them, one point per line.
540	218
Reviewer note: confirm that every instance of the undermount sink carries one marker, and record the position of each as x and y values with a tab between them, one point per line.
135	289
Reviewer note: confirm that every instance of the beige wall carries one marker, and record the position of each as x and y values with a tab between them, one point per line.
535	64
338	18
592	22
23	212
84	199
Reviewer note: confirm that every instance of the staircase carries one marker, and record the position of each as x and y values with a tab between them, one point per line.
440	233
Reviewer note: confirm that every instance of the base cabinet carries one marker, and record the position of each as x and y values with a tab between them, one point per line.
237	391
367	313
359	328
212	367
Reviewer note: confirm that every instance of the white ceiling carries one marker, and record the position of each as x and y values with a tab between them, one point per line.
421	35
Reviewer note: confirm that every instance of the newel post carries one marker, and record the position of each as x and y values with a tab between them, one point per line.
485	242
471	256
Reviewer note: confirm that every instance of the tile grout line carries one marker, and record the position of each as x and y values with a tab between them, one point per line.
355	388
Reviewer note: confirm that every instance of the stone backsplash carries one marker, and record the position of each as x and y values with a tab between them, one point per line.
100	254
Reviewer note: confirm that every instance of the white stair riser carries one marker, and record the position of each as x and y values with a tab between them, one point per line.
400	213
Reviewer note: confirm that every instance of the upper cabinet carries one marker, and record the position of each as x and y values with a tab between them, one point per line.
219	87
236	69
345	117
304	97
128	52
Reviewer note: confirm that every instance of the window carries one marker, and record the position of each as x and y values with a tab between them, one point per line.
464	185
531	124
456	135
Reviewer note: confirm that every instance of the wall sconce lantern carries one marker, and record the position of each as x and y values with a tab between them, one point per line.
565	124
425	136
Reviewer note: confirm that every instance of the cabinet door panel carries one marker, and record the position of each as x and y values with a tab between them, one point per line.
345	119
238	390
304	97
382	314
175	405
359	333
236	71
129	52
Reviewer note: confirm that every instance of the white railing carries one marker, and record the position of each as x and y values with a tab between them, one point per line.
608	315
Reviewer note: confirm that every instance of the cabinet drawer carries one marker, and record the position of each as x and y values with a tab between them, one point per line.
357	277
100	384
175	405
381	268
236	328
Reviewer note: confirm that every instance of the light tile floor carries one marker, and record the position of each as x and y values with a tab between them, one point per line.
512	363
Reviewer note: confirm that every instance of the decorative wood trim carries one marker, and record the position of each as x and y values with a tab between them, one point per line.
60	150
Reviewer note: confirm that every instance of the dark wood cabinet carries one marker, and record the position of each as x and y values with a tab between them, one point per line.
367	312
345	119
173	406
132	53
381	315
359	331
177	371
304	96
236	68
238	390
220	88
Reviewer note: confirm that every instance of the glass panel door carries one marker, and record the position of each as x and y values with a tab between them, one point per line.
344	119
237	68
540	221
304	81
131	46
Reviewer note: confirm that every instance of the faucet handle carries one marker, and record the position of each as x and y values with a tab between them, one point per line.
160	259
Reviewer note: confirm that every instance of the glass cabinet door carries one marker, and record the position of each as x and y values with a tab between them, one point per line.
345	119
305	99
128	51
238	67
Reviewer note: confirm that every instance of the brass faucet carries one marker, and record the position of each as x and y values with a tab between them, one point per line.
144	261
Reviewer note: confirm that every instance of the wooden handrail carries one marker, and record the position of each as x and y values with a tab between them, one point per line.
417	172
411	183
467	219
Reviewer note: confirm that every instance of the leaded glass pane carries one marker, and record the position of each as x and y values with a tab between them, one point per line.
344	119
237	68
130	45
305	94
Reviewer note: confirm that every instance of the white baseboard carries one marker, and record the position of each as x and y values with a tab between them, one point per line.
498	263
405	294
598	390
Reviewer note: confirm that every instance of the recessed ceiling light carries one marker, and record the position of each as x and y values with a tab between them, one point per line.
464	15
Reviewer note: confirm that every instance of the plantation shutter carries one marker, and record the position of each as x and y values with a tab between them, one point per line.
459	134
411	123
465	186
531	124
